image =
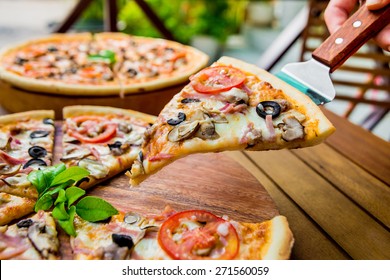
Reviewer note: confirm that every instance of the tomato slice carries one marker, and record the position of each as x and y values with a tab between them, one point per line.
88	126
198	235
217	79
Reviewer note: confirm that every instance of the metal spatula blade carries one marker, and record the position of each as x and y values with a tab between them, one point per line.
313	77
302	77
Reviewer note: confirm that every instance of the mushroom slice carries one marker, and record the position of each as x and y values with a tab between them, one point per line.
183	131
19	180
10	170
235	95
207	131
7	145
284	104
75	152
292	129
44	239
291	113
132	218
95	168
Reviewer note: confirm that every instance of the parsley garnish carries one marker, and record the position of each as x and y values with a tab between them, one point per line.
106	56
55	187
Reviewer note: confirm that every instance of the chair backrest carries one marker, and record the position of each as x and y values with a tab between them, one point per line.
362	83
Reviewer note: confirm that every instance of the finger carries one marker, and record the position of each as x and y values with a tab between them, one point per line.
337	12
376	4
383	38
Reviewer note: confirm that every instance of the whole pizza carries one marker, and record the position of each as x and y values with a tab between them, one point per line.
98	64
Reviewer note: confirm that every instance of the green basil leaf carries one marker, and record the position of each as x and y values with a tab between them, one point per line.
59	212
74	173
45	202
104	55
73	193
42	179
61	197
94	209
38	180
67	225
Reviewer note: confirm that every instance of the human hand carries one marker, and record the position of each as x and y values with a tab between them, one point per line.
338	11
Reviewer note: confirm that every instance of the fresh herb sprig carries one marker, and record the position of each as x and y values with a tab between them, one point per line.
106	56
55	187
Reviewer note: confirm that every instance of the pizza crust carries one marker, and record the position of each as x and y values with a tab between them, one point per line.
197	61
14	207
17	117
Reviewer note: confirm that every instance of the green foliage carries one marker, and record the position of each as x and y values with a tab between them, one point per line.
184	18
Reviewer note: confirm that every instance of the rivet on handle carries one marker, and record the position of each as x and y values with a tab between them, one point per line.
357	24
339	40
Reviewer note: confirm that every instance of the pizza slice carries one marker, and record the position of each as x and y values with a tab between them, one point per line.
13	207
26	144
103	140
231	105
33	238
191	234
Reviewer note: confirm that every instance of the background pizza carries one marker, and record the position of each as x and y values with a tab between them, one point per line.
100	64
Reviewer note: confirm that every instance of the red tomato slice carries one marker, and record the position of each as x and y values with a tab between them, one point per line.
108	132
207	237
217	79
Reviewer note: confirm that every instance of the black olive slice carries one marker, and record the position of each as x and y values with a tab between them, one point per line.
79	182
132	72
34	161
181	117
48	121
24	223
20	61
189	100
52	49
115	145
39	134
268	108
122	240
37	152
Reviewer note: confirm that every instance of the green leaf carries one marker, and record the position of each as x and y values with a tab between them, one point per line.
42	179
45	202
74	173
67	225
61	196
73	193
59	212
94	209
104	55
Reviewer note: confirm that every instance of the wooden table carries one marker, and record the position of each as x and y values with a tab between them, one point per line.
336	195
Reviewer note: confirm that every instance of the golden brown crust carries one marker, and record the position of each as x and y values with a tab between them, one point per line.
17	117
197	60
14	207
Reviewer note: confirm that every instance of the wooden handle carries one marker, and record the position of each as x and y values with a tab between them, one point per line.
347	40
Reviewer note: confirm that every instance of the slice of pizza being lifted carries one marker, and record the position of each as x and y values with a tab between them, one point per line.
103	140
231	105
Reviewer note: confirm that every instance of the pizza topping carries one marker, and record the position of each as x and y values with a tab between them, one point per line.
48	121
10	170
44	239
236	96
270	126
183	131
75	152
35	162
132	218
93	129
37	152
217	79
24	223
292	129
9	159
189	100
197	234
122	240
181	117
39	134
268	108
96	169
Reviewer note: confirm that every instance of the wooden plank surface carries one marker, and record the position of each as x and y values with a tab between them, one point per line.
343	220
370	153
212	182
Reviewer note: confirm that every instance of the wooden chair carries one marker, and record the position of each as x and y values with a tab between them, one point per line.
363	80
110	17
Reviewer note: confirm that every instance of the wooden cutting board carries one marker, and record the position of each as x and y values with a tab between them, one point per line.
213	182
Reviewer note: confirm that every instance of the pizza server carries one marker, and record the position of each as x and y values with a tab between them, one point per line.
313	77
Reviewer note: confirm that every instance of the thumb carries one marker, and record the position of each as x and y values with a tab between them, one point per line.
376	4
